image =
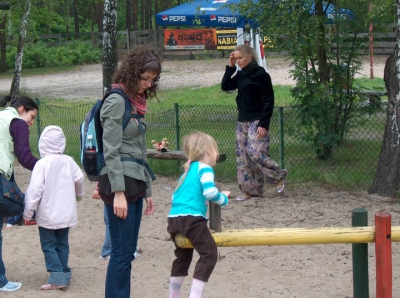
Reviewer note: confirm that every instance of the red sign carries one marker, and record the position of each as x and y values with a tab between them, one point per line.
190	39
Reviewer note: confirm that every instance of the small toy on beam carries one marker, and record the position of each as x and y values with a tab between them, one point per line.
161	146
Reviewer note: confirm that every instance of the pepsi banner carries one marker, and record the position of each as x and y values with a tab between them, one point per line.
207	13
190	39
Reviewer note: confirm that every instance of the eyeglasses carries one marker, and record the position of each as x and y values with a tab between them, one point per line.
150	81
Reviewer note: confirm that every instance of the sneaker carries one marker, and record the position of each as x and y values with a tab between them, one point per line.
137	254
106	258
9	226
280	186
11	287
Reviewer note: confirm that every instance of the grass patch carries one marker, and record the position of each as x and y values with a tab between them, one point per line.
210	110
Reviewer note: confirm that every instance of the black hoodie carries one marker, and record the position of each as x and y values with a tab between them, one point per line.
255	98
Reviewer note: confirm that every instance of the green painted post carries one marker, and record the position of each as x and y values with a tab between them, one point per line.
177	131
281	138
177	128
39	129
359	218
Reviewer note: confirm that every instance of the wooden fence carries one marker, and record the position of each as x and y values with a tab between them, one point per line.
125	40
383	42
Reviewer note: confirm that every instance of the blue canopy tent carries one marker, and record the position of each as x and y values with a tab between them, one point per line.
211	13
206	13
333	12
217	13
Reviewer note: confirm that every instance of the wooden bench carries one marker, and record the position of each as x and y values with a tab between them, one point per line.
174	155
374	97
214	209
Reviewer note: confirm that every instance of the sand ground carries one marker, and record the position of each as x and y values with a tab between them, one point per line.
306	271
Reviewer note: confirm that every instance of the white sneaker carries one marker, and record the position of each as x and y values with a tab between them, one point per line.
11	287
280	186
106	258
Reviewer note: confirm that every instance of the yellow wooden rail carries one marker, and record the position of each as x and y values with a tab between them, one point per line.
292	236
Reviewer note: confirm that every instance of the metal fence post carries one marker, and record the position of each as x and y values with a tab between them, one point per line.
359	218
177	128
39	129
281	138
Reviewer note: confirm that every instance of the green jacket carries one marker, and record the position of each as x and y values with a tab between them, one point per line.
119	143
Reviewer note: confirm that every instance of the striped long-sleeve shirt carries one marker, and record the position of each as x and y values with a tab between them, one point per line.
198	187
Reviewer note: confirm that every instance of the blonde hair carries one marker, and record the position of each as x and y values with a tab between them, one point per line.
195	147
247	50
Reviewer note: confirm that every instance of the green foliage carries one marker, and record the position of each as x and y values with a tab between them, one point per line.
326	55
37	55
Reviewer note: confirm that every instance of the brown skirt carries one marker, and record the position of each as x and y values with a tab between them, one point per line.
134	189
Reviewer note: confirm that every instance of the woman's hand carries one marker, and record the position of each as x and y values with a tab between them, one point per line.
261	132
149	206
120	205
232	59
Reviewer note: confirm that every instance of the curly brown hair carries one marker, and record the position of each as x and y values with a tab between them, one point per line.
139	60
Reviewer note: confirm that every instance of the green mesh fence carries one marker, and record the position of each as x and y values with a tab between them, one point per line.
355	159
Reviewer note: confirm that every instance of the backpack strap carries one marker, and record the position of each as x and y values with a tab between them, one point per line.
141	162
128	110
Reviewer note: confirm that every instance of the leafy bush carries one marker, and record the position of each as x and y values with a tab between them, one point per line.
38	55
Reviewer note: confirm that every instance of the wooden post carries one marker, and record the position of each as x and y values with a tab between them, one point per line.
383	251
360	257
215	217
215	214
128	40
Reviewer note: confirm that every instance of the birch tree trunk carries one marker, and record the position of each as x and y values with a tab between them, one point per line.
110	51
14	90
387	177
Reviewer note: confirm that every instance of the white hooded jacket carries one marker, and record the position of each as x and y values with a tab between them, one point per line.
55	183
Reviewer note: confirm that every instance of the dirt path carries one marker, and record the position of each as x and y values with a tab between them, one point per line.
85	82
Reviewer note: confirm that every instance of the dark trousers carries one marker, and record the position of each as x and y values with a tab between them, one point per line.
196	230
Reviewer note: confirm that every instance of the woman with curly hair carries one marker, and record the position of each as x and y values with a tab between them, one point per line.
125	180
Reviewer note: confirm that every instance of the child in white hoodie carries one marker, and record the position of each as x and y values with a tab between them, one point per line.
55	186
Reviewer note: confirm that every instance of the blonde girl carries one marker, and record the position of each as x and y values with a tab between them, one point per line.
188	213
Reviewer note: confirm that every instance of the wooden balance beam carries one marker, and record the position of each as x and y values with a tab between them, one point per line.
292	236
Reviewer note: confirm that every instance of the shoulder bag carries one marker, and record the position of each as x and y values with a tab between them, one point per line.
12	199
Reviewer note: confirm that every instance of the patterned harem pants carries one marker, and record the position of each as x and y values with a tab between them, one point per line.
254	166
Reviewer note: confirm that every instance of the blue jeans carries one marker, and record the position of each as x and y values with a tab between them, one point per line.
106	249
124	235
55	248
13	220
3	278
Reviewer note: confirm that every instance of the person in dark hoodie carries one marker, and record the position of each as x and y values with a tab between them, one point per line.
255	104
